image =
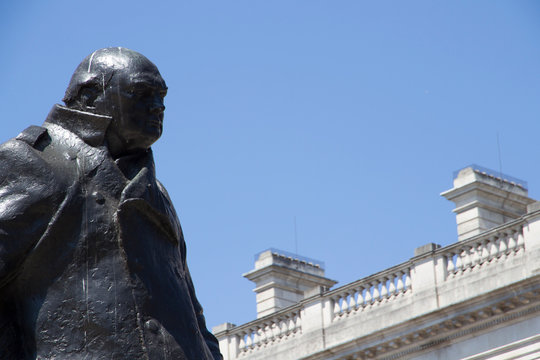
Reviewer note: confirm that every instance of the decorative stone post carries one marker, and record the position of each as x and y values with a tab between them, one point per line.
283	279
227	344
426	273
485	199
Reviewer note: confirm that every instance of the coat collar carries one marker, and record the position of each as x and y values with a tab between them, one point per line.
88	126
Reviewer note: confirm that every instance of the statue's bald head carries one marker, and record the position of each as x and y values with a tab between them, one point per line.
125	85
96	71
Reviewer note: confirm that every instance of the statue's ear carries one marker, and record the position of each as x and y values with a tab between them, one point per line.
88	94
91	89
82	91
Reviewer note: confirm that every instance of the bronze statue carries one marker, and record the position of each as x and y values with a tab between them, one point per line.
92	256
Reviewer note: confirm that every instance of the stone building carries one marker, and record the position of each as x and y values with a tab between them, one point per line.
478	298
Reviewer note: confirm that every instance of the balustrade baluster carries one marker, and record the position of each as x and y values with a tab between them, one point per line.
249	340
260	336
368	296
503	247
285	326
511	243
267	333
270	332
400	284
352	301
493	248
256	336
291	324
520	241
296	321
466	258
408	280
360	301
279	328
459	260
288	326
264	334
392	286
384	289
346	299
242	341
475	255
450	264
485	252
376	293
337	307
263	338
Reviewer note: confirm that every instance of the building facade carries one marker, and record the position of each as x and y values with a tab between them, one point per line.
478	298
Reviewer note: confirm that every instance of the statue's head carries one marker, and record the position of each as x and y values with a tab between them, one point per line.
125	85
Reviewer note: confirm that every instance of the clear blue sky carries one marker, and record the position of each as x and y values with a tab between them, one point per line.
349	115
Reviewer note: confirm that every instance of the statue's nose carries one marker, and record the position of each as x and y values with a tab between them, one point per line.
157	106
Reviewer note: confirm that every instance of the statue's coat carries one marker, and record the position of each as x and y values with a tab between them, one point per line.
92	256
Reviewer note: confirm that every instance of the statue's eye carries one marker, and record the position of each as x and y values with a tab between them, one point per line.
140	91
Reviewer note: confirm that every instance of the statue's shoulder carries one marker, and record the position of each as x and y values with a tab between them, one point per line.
163	190
27	139
32	134
21	151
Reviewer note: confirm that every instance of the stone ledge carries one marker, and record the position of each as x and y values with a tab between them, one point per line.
442	330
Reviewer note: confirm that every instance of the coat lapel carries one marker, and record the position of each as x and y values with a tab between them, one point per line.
143	187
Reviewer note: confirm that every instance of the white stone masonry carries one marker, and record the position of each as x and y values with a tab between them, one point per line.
282	280
484	201
463	300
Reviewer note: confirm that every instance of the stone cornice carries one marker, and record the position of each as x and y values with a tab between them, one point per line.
287	272
434	301
487	189
441	327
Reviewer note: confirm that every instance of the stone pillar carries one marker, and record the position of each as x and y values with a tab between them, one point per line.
426	273
531	238
485	199
227	344
313	324
283	279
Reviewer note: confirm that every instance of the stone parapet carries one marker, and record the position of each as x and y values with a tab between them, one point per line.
437	299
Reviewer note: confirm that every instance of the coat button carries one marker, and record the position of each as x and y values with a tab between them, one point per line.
152	326
98	197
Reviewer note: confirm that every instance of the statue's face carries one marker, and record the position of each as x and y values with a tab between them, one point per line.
134	99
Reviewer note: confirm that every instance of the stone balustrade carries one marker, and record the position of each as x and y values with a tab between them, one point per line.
398	303
496	245
271	330
359	295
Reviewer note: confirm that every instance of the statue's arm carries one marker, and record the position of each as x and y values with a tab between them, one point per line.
26	191
210	339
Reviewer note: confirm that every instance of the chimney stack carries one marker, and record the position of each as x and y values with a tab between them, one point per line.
283	279
485	199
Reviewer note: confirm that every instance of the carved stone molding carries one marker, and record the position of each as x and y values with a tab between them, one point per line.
507	310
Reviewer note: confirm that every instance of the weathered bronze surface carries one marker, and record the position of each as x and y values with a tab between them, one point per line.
92	256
